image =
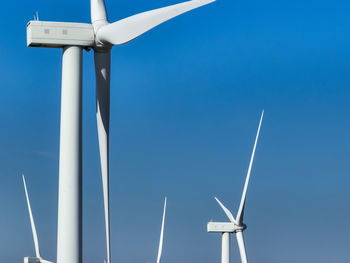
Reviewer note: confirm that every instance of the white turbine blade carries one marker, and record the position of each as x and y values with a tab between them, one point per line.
102	68
45	261
160	248
35	236
227	212
98	11
241	246
240	213
130	28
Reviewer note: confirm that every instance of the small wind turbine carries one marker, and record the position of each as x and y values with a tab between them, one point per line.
37	258
101	36
160	248
236	226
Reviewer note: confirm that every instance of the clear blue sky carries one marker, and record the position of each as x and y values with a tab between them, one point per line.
186	100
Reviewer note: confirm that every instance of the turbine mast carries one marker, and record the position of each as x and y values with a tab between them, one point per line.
69	230
225	248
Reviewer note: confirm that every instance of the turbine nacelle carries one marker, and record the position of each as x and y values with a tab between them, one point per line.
225	227
59	34
220	227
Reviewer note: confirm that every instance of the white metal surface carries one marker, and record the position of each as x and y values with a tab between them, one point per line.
59	34
241	246
99	15
220	227
98	11
69	233
127	29
225	248
32	224
227	212
240	213
160	247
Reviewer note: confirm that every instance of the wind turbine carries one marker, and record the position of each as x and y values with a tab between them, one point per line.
160	248
236	225
37	258
101	36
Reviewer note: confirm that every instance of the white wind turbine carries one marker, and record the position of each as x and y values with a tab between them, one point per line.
73	38
37	258
236	225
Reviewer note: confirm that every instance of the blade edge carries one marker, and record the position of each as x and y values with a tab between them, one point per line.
244	194
35	236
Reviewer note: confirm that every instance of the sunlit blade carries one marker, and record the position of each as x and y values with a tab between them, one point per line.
160	248
241	246
45	261
98	11
35	236
240	213
227	212
130	28
102	68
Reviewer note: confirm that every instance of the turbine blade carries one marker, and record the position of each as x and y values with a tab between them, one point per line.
241	246
160	248
102	68
132	27
240	213
227	212
35	236
98	11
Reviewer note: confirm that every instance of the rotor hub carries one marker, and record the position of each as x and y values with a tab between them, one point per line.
240	228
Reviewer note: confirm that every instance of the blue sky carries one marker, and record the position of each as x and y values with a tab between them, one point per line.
186	100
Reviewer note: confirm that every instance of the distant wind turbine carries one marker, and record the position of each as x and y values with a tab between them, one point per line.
236	225
37	258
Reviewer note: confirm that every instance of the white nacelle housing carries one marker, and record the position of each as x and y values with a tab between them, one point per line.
59	34
221	227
